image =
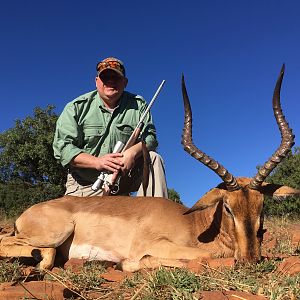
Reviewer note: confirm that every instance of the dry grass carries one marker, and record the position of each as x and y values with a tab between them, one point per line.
5	221
174	283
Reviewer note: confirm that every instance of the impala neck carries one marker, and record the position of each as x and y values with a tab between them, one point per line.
215	235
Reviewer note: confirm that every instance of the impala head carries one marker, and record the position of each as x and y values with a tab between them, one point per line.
242	198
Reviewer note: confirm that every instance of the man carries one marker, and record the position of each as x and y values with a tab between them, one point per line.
90	126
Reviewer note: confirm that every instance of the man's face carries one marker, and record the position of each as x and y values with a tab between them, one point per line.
110	86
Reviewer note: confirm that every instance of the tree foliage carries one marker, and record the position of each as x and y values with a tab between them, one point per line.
286	173
16	196
173	195
26	150
29	173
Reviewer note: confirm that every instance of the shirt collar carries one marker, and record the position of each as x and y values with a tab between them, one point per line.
122	102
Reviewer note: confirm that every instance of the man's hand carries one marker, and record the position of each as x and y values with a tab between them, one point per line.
128	161
130	156
111	162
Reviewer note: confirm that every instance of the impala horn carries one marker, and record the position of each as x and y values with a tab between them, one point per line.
287	139
190	148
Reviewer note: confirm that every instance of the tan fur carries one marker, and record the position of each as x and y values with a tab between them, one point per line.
142	231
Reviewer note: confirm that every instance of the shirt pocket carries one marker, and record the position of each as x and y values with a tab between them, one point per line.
92	135
123	132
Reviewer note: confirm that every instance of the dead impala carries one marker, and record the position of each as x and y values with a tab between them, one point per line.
142	232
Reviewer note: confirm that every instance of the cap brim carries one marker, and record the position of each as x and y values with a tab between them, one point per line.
115	70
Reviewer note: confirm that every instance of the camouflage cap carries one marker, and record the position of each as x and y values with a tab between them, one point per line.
111	63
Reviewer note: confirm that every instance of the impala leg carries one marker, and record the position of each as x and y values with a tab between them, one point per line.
9	248
164	253
170	250
48	257
13	247
150	262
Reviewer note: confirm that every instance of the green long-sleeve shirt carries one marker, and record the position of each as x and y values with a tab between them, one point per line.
86	126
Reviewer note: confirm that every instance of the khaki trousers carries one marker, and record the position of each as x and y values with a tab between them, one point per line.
158	183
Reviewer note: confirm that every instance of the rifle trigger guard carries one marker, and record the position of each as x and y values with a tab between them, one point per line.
115	189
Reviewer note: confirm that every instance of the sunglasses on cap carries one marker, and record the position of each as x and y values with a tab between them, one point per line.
111	64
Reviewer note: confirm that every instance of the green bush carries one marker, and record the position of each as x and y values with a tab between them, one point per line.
286	173
15	197
285	207
29	173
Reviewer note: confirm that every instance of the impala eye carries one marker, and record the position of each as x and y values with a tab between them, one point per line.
228	210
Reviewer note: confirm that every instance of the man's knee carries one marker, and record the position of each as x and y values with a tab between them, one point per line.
155	157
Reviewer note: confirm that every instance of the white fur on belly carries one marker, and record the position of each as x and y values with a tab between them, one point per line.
89	252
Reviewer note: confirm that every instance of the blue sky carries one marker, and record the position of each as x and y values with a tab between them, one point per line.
230	52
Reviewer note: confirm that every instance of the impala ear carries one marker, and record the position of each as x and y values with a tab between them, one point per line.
278	191
209	199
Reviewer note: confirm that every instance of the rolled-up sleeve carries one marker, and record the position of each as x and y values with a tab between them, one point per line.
66	143
149	132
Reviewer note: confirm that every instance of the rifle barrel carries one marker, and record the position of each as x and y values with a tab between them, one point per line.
151	103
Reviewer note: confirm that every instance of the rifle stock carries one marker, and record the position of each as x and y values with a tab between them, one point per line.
133	138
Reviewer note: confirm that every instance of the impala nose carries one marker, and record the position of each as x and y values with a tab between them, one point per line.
248	259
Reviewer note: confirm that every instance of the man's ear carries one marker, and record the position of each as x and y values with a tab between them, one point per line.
125	82
209	199
278	191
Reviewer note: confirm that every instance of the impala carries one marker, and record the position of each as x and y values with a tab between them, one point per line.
139	232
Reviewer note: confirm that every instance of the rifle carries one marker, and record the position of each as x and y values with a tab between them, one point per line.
105	178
